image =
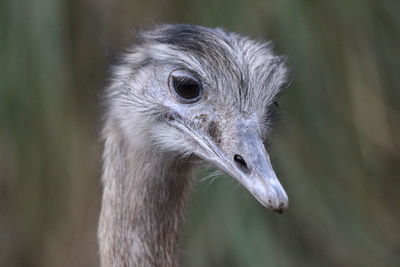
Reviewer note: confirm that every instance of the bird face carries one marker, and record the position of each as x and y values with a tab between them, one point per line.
216	130
209	93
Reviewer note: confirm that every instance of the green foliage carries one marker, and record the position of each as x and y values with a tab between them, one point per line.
336	151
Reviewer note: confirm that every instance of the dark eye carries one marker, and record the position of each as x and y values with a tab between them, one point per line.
185	86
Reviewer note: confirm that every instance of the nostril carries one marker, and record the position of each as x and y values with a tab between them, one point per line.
241	163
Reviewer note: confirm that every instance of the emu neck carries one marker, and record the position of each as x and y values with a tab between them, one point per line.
143	205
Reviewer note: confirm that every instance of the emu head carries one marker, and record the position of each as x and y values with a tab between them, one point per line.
205	92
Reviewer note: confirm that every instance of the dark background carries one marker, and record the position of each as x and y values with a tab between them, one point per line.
336	150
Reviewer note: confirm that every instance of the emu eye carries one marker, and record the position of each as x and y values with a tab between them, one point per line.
185	86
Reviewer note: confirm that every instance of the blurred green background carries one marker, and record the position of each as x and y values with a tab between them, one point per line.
336	150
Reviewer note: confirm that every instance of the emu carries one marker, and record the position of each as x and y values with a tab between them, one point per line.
184	94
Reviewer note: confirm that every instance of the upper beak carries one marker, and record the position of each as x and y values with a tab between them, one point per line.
248	162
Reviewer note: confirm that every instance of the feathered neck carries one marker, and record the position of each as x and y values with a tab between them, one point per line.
144	199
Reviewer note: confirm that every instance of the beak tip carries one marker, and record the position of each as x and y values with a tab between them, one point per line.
276	205
281	208
278	200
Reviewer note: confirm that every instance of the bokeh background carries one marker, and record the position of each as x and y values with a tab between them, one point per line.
336	149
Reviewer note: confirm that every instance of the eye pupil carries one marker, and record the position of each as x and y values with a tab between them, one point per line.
185	86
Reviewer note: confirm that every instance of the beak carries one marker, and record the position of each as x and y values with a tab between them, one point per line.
248	162
244	158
